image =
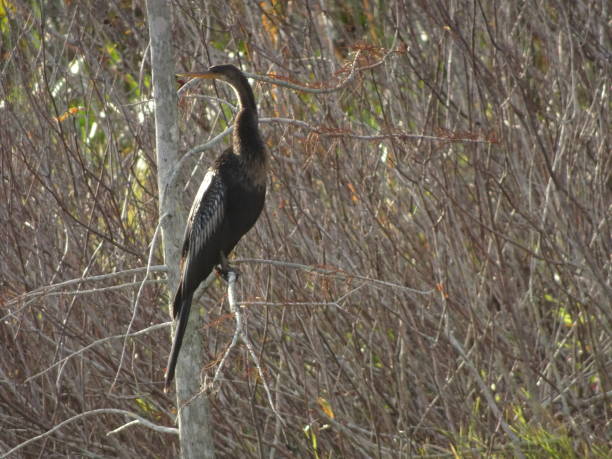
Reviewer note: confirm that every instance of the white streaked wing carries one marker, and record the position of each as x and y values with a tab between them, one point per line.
207	212
197	201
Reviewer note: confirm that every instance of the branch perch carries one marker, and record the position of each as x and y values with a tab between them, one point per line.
240	332
137	419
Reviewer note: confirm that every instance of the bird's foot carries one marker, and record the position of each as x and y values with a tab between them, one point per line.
224	271
224	268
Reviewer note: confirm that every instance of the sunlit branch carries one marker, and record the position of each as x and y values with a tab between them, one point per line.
332	272
144	331
135	308
241	332
44	290
97	412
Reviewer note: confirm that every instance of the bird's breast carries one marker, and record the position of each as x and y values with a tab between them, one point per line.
244	205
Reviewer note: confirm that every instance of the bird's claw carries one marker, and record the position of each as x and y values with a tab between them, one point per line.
224	272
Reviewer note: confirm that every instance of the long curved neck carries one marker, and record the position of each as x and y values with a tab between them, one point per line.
245	93
247	141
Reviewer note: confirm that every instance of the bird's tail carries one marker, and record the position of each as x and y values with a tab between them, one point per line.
181	306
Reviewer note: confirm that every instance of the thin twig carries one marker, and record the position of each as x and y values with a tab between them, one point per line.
237	331
107	288
323	132
135	308
144	422
144	331
353	71
231	296
332	272
44	290
487	393
309	89
96	412
241	333
347	133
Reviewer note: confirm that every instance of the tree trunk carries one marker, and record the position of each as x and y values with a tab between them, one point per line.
193	417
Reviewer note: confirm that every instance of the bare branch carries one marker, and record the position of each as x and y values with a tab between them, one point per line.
135	308
335	272
96	412
41	291
97	343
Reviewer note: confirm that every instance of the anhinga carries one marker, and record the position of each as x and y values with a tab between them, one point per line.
228	203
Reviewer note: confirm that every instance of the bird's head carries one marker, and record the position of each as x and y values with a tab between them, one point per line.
225	72
229	74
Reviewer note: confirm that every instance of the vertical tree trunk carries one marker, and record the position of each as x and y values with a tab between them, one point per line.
194	427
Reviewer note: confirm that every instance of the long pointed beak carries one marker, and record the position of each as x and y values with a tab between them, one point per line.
207	75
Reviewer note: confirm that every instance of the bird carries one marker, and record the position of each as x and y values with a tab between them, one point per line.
226	206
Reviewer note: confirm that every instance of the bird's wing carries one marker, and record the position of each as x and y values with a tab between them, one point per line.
207	213
203	224
200	254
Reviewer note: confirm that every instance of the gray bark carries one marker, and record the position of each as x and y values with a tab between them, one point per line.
193	411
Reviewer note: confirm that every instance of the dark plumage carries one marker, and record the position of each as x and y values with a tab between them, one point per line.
227	205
